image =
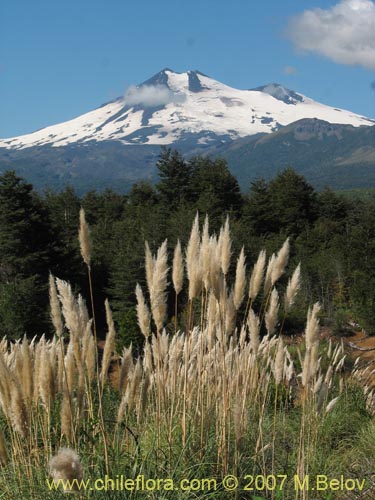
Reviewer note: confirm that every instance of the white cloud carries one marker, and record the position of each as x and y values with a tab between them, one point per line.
151	95
344	33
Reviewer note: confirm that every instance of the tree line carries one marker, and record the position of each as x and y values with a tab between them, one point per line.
333	238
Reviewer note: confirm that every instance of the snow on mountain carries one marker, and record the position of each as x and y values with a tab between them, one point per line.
171	106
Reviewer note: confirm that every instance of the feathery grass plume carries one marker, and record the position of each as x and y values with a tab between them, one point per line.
178	268
109	343
27	372
69	307
18	412
3	450
253	325
272	312
331	404
230	314
279	362
211	317
82	312
226	247
87	334
292	288
55	307
135	383
143	313
66	467
158	293
289	372
240	283
192	260
311	339
90	358
318	384
84	238
70	368
205	254
66	415
37	353
268	277
257	275
60	369
121	409
149	265
312	325
45	380
5	383
126	369
280	262
214	266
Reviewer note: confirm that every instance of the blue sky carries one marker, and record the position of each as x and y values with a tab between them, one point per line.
61	59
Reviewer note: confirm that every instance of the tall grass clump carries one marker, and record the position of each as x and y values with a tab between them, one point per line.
229	394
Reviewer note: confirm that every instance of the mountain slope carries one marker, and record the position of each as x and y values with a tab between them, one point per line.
169	106
340	156
258	131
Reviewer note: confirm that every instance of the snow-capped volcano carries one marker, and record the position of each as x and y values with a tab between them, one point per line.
170	107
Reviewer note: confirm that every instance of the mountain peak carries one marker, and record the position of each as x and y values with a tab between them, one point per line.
281	93
160	78
190	78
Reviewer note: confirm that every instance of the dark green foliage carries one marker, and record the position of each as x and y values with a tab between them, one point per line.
214	189
333	238
27	249
287	204
174	172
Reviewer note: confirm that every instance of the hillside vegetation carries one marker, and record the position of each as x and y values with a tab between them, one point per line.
333	238
215	402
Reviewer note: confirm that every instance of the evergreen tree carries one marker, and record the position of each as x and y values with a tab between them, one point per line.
257	211
293	202
27	252
214	189
175	178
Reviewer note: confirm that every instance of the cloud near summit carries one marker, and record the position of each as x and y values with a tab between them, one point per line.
345	33
151	95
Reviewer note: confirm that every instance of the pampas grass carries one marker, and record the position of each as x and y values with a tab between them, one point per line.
143	313
84	238
178	269
240	283
158	295
66	469
109	344
257	275
222	392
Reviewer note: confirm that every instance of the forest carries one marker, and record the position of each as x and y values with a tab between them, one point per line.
331	235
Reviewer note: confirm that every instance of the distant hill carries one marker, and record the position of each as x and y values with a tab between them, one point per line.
339	156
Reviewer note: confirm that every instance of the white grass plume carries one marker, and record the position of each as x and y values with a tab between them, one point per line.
143	313
257	275
55	307
292	288
178	269
66	466
158	293
272	312
280	262
84	238
240	283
